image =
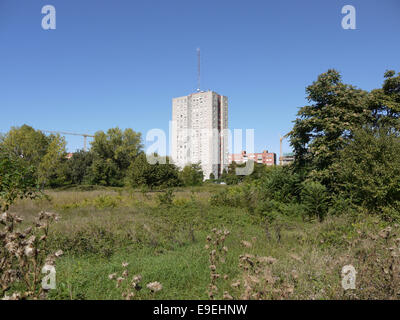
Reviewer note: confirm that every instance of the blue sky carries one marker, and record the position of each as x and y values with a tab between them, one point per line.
119	63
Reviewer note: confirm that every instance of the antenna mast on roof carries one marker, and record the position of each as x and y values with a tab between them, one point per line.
198	69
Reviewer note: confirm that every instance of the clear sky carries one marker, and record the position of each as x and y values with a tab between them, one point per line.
120	62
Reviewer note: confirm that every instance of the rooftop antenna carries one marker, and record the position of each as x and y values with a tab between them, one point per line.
198	69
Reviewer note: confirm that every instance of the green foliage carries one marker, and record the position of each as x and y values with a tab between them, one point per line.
106	201
230	177
280	184
27	143
192	175
78	166
322	128
142	173
166	198
114	151
52	167
315	199
17	179
368	169
104	172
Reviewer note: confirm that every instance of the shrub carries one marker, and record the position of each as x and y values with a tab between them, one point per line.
368	169
166	198
192	175
314	199
17	180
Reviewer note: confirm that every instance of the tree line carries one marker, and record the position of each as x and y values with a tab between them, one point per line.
116	158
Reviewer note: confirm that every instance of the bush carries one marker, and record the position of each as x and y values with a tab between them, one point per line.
143	174
166	198
314	199
368	169
17	180
192	175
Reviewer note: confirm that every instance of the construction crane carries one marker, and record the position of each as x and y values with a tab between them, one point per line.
84	135
280	144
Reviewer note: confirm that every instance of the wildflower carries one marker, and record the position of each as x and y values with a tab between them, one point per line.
27	230
112	276
385	232
267	260
213	267
59	253
227	296
125	273
31	239
225	277
125	264
246	244
11	247
130	295
154	286
19	219
295	257
119	281
3	217
235	284
225	249
254	279
214	276
29	250
136	282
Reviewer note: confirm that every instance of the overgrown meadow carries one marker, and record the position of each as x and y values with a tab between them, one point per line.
169	238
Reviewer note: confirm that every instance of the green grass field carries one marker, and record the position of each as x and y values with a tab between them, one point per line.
100	229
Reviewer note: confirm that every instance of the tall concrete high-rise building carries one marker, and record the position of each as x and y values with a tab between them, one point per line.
199	132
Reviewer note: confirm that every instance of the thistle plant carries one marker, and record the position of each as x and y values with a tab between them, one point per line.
257	280
217	256
23	254
130	288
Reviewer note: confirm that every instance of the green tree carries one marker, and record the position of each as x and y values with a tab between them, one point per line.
384	103
322	128
367	170
78	166
192	175
27	143
314	198
114	151
104	172
52	167
17	179
142	173
230	177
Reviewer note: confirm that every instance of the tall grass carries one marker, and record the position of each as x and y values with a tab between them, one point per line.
167	244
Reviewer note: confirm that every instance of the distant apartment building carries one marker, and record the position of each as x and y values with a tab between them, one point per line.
287	158
199	132
267	158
